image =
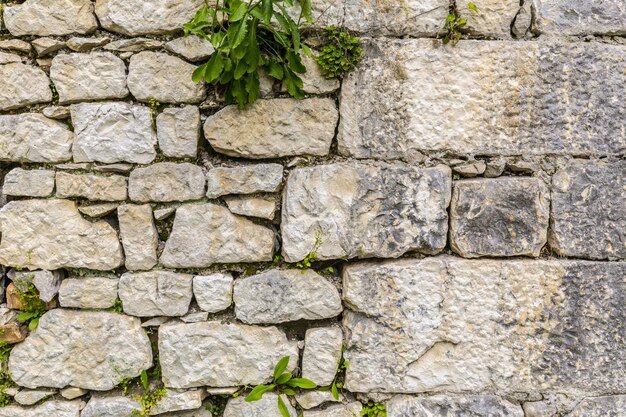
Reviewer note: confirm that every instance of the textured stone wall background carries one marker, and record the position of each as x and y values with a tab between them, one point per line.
494	169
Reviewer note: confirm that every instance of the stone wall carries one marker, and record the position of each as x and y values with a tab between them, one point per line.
466	208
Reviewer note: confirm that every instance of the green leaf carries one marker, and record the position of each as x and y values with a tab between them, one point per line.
334	391
288	391
257	393
198	74
301	383
282	407
214	67
237	33
253	86
239	13
283	378
275	70
240	69
306	10
144	381
268	10
450	18
295	63
472	7
281	367
293	83
33	324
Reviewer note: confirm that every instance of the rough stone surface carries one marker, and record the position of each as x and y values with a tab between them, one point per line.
363	210
47	409
499	217
29	183
213	292
88	292
84	77
614	405
50	17
46	46
98	210
163	77
322	352
155	293
245	179
274	128
113	132
178	131
167	181
31	137
56	112
139	236
15	45
51	234
445	324
72	393
314	398
22	85
192	48
92	350
398	102
204	234
110	407
176	400
46	282
92	187
264	208
265	407
589	210
278	296
8	58
221	355
30	397
79	44
444	405
133	45
580	17
137	17
313	80
342	410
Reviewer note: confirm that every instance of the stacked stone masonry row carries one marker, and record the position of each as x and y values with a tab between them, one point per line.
464	207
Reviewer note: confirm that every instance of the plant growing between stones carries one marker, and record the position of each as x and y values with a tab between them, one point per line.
373	409
339	54
5	379
154	110
455	22
118	307
337	383
55	94
32	307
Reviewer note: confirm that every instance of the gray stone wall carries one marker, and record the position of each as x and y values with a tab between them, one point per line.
464	207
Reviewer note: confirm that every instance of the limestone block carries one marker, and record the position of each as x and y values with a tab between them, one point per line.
155	293
50	17
166	181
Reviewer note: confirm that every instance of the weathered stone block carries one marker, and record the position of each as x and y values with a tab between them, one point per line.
589	210
29	183
47	283
499	217
244	179
178	131
166	181
91	187
361	209
30	397
322	352
57	237
444	324
31	137
264	208
91	350
88	292
84	77
413	95
205	234
456	405
213	292
274	128
178	400
342	410
47	409
46	46
265	407
22	85
80	44
50	17
613	405
580	17
155	293
221	355
111	407
113	132
192	48
139	236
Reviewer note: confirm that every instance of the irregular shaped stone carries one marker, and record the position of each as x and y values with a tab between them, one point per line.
136	17
458	405
98	210
579	17
445	324
111	407
343	410
88	292
92	187
398	102
56	237
31	137
264	208
139	236
313	80
72	393
92	350
361	209
113	132
614	405
86	44
15	45
22	85
164	213
278	296
192	48
155	293
314	398
213	292
166	181
539	409
50	17
274	128
178	131
267	406
221	355
205	234
176	400
84	77
30	397
47	283
29	183
244	179
588	212
7	58
123	168
46	46
471	169
163	77
499	217
56	112
11	333
47	409
133	45
195	317
322	353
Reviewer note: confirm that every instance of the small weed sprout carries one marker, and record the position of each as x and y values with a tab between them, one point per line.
339	54
154	110
372	409
55	94
455	22
118	307
33	308
5	379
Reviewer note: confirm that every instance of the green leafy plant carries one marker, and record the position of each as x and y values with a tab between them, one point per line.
282	383
5	379
372	409
55	94
216	404
154	110
455	22
149	401
339	54
117	306
32	307
245	40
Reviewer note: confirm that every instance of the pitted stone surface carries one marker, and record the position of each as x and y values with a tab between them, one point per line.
163	77
29	183
88	292
589	210
397	102
457	405
192	48
445	324
213	292
133	45
113	132
245	179
51	234
110	407
91	187
614	405
22	85
205	234
31	137
580	17
84	77
178	400
178	130
343	410
7	58
499	217
221	355
155	293
47	409
50	17
322	352
262	207
47	283
166	181
360	209
265	407
80	44
92	350
278	296
46	46
139	236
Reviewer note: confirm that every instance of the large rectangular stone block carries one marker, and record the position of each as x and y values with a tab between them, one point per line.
484	97
446	324
580	17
